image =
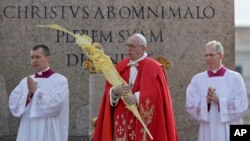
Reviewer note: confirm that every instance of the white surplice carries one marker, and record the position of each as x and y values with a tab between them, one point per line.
233	103
46	117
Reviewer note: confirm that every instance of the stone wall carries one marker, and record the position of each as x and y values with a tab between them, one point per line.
176	29
4	112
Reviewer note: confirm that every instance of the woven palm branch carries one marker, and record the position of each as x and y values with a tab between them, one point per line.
102	62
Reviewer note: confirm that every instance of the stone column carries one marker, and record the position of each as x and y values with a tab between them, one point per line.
96	90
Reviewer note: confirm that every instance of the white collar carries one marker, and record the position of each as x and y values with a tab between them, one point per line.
41	72
215	71
145	54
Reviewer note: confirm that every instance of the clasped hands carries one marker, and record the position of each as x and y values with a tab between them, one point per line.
211	96
123	90
31	86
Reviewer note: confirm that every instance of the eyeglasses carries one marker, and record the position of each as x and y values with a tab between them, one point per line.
210	54
132	46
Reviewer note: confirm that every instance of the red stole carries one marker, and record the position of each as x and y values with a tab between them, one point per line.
125	125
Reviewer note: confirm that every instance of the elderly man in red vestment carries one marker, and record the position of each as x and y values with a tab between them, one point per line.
147	81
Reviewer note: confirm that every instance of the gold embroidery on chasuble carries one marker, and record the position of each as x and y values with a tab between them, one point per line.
146	112
124	128
125	123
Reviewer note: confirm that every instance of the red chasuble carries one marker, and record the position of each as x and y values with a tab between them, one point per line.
155	107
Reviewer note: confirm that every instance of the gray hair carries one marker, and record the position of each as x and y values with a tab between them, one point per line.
217	45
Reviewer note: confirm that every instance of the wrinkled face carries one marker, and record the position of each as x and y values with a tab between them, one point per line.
135	49
38	60
212	58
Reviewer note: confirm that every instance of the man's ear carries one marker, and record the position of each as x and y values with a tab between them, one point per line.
222	56
49	58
